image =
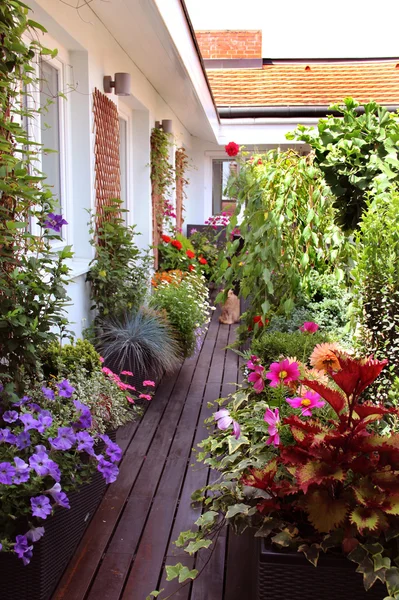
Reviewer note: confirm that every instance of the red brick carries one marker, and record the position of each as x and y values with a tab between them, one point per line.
230	44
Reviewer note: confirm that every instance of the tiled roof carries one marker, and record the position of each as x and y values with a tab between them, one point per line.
299	84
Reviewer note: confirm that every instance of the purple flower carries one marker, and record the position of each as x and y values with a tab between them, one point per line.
85	419
1	387
54	470
35	407
22	470
45	421
59	497
65	389
23	440
224	420
41	448
109	470
7	472
7	436
35	534
106	439
114	452
48	393
10	416
29	422
41	507
65	439
85	442
54	222
22	548
40	463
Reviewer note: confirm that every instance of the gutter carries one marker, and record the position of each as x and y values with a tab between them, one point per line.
258	112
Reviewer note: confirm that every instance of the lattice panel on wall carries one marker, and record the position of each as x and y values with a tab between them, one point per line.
181	182
106	152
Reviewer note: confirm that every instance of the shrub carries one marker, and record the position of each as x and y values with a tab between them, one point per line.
205	243
119	273
71	358
270	346
187	307
143	343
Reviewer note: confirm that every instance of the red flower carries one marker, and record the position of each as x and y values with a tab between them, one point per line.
202	260
259	321
232	149
166	239
177	244
260	162
191	268
190	254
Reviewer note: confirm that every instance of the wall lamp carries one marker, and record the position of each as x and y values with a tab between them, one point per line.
121	84
166	125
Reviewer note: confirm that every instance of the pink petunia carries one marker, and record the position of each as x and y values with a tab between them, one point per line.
257	378
272	418
107	371
129	373
129	399
101	359
224	421
145	396
307	402
283	372
309	327
149	382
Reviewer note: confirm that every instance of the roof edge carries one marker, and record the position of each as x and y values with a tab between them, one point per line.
257	112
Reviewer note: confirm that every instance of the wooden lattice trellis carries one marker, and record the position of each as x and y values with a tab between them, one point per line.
106	151
181	181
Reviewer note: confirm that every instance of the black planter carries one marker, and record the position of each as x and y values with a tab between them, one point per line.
285	576
51	555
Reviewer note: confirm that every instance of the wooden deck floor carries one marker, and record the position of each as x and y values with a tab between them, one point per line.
128	541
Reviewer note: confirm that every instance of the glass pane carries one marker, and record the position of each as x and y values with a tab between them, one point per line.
221	172
123	160
50	128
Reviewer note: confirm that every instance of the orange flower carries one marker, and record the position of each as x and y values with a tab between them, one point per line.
325	357
174	277
190	254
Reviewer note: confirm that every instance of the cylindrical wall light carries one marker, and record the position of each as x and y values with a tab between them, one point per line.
121	84
167	125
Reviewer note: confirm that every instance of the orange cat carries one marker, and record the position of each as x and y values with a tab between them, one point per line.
230	309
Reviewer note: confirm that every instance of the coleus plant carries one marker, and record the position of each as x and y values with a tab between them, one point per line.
308	481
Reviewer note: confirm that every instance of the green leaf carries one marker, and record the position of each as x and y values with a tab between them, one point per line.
234	444
392	581
237	509
207	519
193	547
181	572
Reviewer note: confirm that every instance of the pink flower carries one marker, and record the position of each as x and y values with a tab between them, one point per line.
101	359
309	327
129	373
257	378
129	399
307	402
124	386
224	420
145	396
253	362
272	418
283	372
107	371
149	382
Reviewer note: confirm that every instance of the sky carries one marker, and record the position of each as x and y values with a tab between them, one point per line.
308	28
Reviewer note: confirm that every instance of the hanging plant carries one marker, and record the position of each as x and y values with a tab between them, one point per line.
162	178
181	164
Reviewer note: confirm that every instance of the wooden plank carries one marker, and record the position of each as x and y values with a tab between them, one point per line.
210	562
109	587
241	556
125	434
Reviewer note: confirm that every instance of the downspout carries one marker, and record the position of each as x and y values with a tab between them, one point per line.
258	112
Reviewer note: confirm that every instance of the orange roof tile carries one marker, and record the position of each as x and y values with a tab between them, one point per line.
299	84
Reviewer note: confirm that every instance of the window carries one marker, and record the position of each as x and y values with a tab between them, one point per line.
222	169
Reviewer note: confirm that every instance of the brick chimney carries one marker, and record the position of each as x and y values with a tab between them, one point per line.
230	44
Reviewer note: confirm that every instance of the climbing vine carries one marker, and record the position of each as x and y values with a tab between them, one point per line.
181	165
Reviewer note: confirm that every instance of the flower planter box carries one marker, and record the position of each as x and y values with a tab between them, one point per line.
284	576
51	555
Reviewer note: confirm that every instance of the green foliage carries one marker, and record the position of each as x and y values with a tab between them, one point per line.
377	283
162	175
186	304
33	276
287	231
205	244
119	272
270	346
356	153
63	360
172	256
144	343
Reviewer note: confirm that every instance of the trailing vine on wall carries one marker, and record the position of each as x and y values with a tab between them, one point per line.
181	164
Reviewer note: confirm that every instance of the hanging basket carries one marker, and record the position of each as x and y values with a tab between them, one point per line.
285	575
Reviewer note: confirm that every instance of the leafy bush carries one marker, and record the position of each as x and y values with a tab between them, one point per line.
270	346
377	283
178	253
71	358
143	343
287	231
119	273
356	153
187	307
205	244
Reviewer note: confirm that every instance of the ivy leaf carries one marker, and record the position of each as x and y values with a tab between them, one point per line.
193	547
207	519
237	509
312	552
234	444
181	572
154	594
392	581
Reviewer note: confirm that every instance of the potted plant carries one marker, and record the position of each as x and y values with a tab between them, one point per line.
313	468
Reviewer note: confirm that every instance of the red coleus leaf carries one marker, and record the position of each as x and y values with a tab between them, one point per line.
355	375
335	399
367	409
317	472
261	478
325	513
368	519
267	506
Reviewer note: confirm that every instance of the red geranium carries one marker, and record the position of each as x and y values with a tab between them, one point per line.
177	244
191	268
202	260
166	239
259	321
232	149
190	254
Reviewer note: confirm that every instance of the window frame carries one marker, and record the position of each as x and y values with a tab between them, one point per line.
125	115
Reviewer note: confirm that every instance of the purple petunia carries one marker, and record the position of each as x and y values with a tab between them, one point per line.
85	419
29	422
40	463
65	389
59	497
54	222
108	470
35	534
23	440
23	400
22	471
48	393
114	452
7	472
7	436
85	442
10	416
41	507
65	439
22	548
45	421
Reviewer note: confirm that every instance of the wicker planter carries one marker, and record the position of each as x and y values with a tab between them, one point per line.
51	555
284	576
